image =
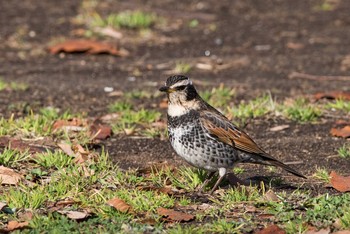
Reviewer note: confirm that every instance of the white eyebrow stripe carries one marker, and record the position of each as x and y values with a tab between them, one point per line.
183	82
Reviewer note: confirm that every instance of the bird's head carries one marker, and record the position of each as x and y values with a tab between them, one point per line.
182	95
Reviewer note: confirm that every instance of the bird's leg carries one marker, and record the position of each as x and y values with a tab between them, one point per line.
222	173
206	181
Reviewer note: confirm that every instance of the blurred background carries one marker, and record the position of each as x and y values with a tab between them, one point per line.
254	46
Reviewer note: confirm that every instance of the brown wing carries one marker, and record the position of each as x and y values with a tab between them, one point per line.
220	128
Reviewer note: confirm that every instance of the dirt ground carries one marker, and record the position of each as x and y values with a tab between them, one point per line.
253	45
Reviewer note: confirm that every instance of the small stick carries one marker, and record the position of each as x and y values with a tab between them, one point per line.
296	75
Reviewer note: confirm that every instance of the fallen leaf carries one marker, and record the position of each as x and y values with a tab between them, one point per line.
76	215
74	124
9	176
272	229
81	154
100	132
295	46
149	221
120	205
173	215
266	216
14	225
271	196
110	117
279	128
59	205
341	132
342	122
333	95
340	183
20	145
129	131
313	230
342	232
251	209
165	190
86	46
337	223
66	148
25	215
108	31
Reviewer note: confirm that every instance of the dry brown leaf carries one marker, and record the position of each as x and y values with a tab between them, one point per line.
129	131
340	183
110	117
14	225
25	215
86	46
295	45
74	124
20	145
66	148
165	190
81	154
120	205
342	232
76	215
333	95
100	132
271	196
279	128
173	215
341	132
313	230
272	229
251	209
266	216
58	205
9	176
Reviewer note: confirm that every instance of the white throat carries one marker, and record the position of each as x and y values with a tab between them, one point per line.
177	110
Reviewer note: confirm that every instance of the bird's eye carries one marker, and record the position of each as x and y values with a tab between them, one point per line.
181	87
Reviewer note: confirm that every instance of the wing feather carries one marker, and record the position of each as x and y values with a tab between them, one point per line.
220	128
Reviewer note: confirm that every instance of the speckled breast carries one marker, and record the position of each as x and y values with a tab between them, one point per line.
197	147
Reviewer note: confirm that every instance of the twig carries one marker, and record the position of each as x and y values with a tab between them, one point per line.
294	162
296	75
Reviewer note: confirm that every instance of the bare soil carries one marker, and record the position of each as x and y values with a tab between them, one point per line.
253	45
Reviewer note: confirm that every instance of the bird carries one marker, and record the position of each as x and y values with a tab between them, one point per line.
205	138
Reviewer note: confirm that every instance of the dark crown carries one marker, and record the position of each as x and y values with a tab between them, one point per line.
174	79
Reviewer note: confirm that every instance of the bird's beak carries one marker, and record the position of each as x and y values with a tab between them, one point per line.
166	89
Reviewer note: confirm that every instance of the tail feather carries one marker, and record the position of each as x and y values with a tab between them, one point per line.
269	160
287	168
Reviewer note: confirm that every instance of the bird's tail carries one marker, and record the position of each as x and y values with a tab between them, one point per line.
267	159
286	167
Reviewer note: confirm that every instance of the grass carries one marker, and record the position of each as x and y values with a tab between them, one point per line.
344	151
53	176
339	104
14	86
182	67
218	97
301	110
322	174
257	107
126	19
